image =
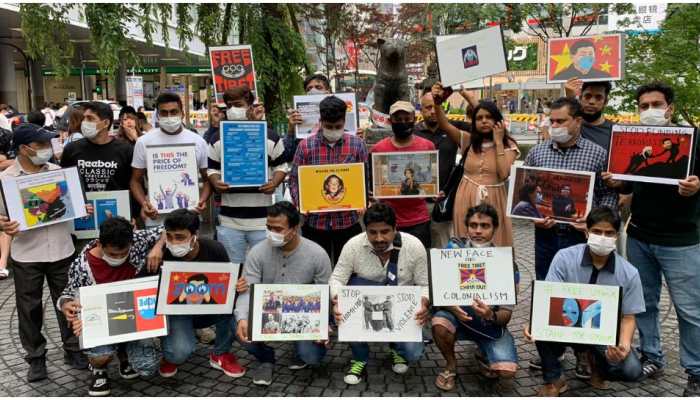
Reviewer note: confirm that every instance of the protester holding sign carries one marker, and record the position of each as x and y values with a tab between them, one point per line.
483	324
596	263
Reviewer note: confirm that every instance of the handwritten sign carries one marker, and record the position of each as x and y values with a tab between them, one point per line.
172	177
244	153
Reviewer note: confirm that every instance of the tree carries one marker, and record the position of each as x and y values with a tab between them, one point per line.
559	19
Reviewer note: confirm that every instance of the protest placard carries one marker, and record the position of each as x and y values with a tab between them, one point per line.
466	57
308	108
106	205
172	176
655	154
196	288
589	58
231	66
410	174
244	153
575	313
332	187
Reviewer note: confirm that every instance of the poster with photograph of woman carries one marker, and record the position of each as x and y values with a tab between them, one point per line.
332	187
405	174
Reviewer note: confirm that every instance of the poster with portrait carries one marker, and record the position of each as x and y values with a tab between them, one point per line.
308	108
105	205
655	154
537	193
232	66
196	288
281	312
173	177
409	174
120	312
465	57
332	187
44	198
244	153
575	313
589	58
379	314
458	276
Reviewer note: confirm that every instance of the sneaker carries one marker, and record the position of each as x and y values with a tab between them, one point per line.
126	371
263	374
100	383
75	359
205	335
398	363
227	363
355	372
649	368
297	364
167	369
583	369
692	389
37	369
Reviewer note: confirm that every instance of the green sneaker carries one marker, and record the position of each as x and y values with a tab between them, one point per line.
398	363
355	372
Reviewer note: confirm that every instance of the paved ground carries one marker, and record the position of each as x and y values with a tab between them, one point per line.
197	379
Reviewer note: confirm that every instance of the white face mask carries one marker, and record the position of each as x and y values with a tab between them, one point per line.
546	110
560	134
276	239
170	124
42	156
114	262
236	113
333	135
653	116
478	245
316	91
181	249
601	245
88	129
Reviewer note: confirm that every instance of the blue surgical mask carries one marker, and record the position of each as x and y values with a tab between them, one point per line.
586	62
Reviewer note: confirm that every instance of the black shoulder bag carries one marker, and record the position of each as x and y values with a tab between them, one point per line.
442	212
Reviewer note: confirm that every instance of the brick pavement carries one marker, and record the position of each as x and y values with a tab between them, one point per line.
196	378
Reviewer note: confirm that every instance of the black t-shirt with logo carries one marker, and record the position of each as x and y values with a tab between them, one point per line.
102	167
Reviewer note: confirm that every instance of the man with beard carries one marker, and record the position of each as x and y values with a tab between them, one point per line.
594	97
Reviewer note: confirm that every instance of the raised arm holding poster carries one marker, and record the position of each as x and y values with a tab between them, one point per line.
244	153
463	58
231	66
308	108
589	58
173	177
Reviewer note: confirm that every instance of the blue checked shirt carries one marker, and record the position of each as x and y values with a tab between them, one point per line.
584	155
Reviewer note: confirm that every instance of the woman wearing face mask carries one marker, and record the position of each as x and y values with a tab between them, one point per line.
491	152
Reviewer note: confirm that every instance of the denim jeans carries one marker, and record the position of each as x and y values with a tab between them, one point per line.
143	355
680	267
549	241
237	242
308	351
181	340
411	351
628	370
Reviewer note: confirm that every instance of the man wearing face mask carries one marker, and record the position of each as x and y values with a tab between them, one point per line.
665	240
184	244
119	254
411	214
331	145
284	258
596	262
38	254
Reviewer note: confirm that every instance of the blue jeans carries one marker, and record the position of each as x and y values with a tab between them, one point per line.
237	242
410	351
628	370
681	269
181	340
549	241
309	352
143	355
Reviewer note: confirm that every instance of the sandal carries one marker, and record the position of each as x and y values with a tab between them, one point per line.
445	380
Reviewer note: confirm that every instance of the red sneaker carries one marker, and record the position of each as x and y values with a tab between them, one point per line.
167	369
227	363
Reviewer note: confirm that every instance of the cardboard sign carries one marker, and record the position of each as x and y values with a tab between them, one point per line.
589	58
172	177
244	153
308	108
458	276
332	187
656	154
106	205
463	58
413	174
232	66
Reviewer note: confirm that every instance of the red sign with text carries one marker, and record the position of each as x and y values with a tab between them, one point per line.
231	66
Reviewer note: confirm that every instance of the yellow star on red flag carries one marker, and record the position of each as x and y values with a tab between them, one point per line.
563	60
605	50
605	67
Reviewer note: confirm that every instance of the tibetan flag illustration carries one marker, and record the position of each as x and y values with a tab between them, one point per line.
198	288
145	304
589	58
472	276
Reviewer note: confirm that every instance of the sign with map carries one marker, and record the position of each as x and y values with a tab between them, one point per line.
44	198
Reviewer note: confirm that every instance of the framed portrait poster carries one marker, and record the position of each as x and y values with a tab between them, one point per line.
173	177
589	58
196	288
120	312
232	66
465	57
405	174
654	154
332	187
575	313
44	198
537	193
106	205
379	314
280	312
244	153
308	108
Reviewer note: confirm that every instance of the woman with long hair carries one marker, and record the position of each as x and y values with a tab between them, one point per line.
130	128
487	166
75	119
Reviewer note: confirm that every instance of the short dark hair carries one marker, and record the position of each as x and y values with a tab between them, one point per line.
198	277
332	109
525	190
607	86
239	92
665	89
36	118
116	232
603	214
168	97
102	110
182	219
581	44
574	106
126	110
317	77
288	210
380	212
485	209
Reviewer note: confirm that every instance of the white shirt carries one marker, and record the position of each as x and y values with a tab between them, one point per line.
5	123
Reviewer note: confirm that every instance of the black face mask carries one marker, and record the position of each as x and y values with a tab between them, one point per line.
402	130
431	124
592	117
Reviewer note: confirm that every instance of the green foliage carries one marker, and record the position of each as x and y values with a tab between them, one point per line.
183	28
45	31
108	25
468	17
146	12
165	11
209	23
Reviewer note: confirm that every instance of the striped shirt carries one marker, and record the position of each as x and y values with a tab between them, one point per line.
315	150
